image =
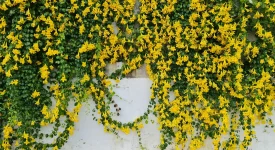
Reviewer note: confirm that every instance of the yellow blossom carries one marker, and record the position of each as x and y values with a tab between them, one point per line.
126	130
63	78
14	82
19	123
52	52
71	130
8	73
35	94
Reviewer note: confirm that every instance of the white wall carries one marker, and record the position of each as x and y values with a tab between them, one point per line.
135	94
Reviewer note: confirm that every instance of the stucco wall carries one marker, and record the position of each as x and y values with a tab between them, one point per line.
133	97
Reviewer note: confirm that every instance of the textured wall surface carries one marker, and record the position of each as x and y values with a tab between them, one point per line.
133	97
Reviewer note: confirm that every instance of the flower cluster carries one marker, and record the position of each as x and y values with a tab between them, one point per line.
217	57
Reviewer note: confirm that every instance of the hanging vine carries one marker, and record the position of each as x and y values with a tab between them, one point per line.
200	50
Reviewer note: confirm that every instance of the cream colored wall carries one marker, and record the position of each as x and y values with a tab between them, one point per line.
133	97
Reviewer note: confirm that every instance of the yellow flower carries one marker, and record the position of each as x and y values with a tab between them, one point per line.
258	15
37	102
140	126
270	62
101	74
6	145
14	82
113	39
7	131
36	36
29	16
52	52
32	123
175	109
25	135
93	88
3	92
63	79
19	123
8	73
73	116
43	123
55	148
51	67
86	11
4	45
81	29
18	27
27	142
73	86
71	130
35	94
126	130
255	51
84	64
261	61
117	80
6	59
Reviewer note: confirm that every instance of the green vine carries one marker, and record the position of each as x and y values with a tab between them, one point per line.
57	51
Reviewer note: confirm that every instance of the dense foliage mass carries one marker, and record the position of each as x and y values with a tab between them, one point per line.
199	49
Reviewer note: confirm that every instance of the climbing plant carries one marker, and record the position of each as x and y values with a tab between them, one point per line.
216	56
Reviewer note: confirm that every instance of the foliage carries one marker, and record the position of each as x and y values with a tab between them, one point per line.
200	50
